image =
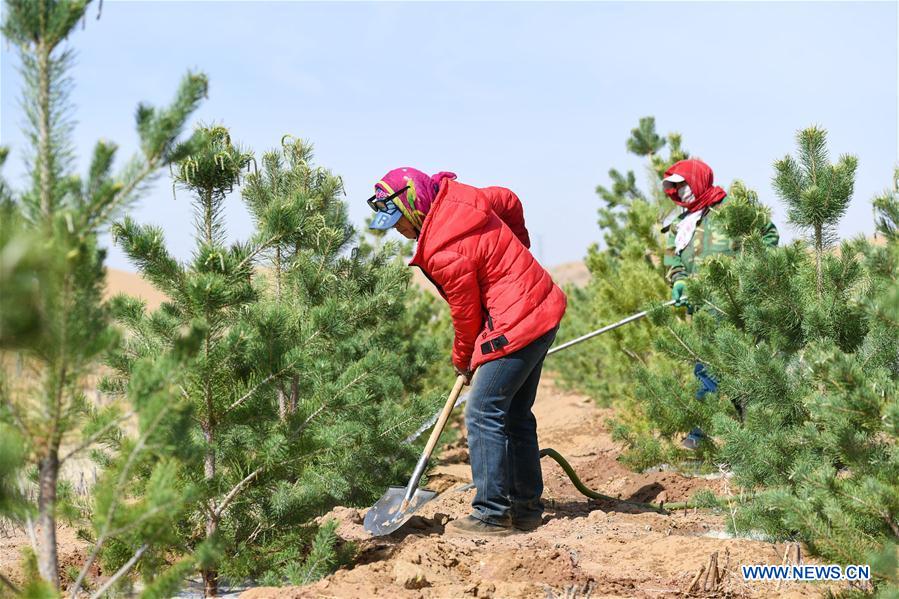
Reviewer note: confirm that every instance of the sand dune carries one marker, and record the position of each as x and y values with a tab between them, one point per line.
131	283
574	273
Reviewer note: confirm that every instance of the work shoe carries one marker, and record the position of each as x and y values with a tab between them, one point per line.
472	527
527	524
693	440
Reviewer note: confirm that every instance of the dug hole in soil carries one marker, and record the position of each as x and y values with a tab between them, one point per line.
584	548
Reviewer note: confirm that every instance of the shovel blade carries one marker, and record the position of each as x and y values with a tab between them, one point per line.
387	515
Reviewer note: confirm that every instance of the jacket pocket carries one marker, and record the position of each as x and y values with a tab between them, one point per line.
494	345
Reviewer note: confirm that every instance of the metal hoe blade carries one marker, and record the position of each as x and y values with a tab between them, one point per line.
388	514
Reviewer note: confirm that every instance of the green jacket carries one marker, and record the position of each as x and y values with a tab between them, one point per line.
709	239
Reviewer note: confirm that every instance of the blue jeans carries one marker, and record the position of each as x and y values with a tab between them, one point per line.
502	435
707	384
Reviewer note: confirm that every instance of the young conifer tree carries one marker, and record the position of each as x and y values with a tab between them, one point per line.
55	326
296	392
816	192
804	344
296	205
627	276
210	293
339	389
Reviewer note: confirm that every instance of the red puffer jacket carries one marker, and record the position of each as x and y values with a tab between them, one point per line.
473	247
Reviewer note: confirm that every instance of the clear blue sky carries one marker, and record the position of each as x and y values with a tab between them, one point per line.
537	97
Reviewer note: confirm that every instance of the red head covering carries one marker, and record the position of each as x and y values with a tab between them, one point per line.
700	178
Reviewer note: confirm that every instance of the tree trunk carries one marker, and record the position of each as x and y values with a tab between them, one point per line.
47	561
294	393
819	251
278	274
282	403
210	575
44	150
207	216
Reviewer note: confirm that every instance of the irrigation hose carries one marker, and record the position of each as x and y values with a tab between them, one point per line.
661	508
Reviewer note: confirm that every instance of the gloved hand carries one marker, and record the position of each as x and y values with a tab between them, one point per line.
679	293
466	373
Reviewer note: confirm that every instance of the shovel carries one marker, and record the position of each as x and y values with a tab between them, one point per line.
398	504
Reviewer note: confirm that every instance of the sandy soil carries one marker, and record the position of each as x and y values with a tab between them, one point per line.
584	549
13	539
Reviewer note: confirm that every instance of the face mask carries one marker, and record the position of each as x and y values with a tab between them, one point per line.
685	193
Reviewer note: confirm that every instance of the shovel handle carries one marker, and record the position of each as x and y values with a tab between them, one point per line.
435	435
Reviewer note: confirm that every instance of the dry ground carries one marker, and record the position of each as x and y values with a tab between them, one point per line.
584	549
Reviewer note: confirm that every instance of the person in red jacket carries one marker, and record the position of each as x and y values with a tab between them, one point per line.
506	309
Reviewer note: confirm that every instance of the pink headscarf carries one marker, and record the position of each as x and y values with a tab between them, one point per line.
416	202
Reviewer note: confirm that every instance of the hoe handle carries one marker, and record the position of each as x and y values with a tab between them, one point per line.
432	440
605	329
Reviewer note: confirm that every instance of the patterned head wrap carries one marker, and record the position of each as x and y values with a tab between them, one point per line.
416	202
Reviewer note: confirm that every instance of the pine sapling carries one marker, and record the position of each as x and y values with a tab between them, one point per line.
804	347
210	294
68	323
630	221
295	204
817	193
